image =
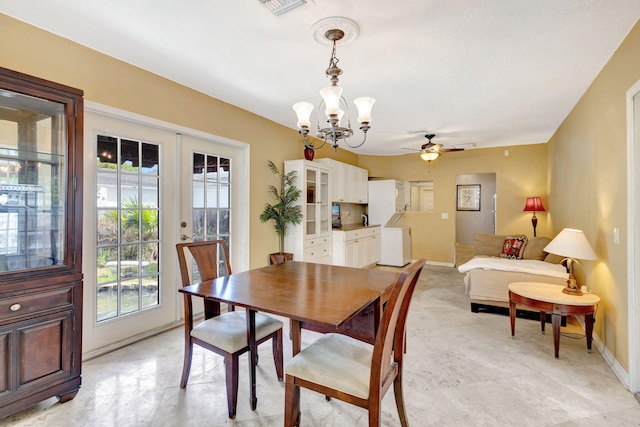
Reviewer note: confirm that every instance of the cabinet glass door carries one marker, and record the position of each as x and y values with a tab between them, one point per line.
33	138
324	203
311	199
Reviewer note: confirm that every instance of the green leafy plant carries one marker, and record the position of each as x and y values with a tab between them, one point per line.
285	211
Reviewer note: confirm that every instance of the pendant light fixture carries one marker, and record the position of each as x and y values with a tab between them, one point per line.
333	105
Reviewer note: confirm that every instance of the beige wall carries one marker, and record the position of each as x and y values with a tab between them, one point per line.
521	174
588	187
580	175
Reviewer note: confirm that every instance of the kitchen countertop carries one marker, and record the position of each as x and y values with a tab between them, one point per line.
349	227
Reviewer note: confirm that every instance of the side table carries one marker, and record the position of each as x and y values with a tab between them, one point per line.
549	298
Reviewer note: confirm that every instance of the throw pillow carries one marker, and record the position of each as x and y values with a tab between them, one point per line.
513	247
487	244
534	248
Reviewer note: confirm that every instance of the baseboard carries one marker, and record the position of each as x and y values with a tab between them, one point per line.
440	264
128	341
618	370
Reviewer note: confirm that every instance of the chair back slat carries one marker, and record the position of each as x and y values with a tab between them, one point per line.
388	347
205	254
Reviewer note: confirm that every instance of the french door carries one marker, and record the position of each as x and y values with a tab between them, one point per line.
176	149
213	196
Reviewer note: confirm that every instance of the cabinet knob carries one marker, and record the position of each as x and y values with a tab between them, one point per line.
15	307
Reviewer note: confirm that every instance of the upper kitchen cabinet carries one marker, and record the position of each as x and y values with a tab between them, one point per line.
40	240
348	182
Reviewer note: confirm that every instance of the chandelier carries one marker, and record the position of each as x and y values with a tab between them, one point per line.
334	106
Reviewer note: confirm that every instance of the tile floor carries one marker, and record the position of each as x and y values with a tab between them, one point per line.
461	369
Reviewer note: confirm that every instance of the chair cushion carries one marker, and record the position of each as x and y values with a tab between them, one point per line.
228	331
336	361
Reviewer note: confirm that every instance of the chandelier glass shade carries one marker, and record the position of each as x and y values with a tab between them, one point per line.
334	107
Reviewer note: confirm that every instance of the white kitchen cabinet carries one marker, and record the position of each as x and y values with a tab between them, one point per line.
359	188
359	247
311	239
348	182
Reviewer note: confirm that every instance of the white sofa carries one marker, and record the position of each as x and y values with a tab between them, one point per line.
487	275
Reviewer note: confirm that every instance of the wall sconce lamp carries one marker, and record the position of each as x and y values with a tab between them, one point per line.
572	244
533	205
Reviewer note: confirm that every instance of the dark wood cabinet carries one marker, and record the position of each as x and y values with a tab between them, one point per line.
40	241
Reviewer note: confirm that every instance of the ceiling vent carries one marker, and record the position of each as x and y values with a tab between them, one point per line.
278	7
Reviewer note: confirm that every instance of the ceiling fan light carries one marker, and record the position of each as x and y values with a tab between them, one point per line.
364	105
303	111
331	96
429	156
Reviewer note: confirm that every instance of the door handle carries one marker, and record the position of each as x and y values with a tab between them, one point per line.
185	237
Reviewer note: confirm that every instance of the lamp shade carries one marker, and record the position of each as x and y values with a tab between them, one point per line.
534	204
571	243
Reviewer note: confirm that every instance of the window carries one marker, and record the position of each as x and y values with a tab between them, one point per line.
421	196
128	237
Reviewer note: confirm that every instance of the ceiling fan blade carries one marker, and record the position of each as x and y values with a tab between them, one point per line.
447	150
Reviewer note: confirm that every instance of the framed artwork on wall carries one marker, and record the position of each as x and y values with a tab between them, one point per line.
468	197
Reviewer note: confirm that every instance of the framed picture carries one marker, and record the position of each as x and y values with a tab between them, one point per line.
468	197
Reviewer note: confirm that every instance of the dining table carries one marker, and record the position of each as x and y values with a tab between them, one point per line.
319	297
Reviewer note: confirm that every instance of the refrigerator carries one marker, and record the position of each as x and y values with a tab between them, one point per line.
387	203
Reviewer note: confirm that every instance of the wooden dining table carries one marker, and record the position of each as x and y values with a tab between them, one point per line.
318	297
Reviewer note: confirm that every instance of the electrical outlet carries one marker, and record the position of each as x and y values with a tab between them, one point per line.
616	235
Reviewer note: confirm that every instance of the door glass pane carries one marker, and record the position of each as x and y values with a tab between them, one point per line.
128	232
211	202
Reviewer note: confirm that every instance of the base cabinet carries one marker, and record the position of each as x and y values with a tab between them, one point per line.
356	248
38	352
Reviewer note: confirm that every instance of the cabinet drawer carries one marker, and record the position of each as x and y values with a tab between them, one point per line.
317	251
361	233
21	305
310	243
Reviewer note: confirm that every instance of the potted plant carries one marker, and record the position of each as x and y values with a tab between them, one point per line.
285	211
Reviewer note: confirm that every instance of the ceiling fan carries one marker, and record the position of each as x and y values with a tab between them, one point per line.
431	150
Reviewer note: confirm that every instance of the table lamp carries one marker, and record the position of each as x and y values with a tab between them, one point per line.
573	245
533	204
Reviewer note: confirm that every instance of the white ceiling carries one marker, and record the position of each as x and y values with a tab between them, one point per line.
491	72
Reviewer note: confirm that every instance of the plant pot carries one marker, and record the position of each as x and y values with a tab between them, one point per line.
280	257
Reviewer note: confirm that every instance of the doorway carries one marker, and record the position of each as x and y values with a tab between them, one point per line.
633	237
480	217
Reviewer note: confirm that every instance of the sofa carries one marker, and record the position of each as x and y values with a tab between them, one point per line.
490	270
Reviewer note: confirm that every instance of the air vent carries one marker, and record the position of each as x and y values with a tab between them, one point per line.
278	7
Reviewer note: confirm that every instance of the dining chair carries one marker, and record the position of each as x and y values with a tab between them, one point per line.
353	371
222	333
